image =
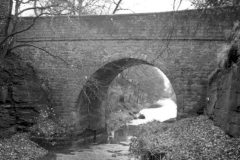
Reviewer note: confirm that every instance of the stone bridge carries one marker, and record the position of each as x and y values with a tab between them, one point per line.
94	49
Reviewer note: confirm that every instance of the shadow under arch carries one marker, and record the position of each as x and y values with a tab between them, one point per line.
89	101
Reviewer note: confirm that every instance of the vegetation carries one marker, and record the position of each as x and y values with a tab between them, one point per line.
122	102
21	147
132	90
230	52
48	133
228	56
77	7
214	3
38	8
190	138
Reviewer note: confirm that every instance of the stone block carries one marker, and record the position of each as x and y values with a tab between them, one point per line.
20	93
238	99
182	115
6	118
31	92
219	119
211	104
234	118
188	109
234	130
3	93
233	99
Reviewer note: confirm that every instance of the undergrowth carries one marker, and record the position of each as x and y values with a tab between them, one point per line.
190	138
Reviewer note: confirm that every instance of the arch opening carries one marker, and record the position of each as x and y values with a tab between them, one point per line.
95	91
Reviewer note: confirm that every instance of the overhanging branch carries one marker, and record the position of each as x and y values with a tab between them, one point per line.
31	45
17	32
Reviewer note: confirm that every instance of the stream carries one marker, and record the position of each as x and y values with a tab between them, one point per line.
111	146
114	145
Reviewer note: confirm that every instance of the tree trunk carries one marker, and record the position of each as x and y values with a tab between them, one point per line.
117	7
80	3
74	7
8	18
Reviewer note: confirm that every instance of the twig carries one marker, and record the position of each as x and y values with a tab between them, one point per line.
17	32
31	45
116	7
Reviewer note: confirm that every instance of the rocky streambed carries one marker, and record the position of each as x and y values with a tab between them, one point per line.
113	146
93	152
20	147
190	138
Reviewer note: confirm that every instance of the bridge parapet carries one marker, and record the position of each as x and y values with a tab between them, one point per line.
204	25
182	44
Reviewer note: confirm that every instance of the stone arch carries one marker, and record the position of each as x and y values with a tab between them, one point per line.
95	89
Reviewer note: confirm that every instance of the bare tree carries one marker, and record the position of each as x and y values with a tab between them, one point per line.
78	7
14	14
17	8
214	3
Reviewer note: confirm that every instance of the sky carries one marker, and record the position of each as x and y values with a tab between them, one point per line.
146	6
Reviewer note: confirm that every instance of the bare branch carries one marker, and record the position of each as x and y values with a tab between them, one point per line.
35	8
42	49
27	2
8	18
17	32
117	7
31	45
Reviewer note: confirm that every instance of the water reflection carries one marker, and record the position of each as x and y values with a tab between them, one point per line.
121	135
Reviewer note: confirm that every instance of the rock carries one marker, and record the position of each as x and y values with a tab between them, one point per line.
22	91
141	116
3	93
7	132
7	119
114	155
171	120
234	130
125	143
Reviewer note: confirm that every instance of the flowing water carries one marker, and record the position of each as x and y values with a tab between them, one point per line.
111	146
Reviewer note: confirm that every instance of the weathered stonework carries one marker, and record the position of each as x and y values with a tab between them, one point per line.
224	102
23	95
187	40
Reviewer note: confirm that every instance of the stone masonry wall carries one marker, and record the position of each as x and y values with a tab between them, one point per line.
23	95
81	45
224	103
